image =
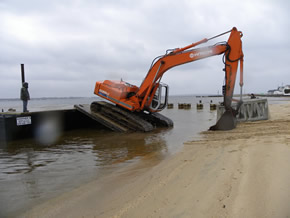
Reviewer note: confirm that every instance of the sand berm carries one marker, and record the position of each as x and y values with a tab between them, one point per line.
244	172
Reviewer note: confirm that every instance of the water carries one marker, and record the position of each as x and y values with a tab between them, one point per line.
41	104
32	173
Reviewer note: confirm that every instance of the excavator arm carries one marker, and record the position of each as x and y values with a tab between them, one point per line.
169	61
233	54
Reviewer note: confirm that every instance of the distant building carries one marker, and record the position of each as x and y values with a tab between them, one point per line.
281	90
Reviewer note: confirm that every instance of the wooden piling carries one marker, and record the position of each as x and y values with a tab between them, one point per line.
170	106
22	74
184	106
212	106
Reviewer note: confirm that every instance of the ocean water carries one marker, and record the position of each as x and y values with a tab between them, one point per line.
31	173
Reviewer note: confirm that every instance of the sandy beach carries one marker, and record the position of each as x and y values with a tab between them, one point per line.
244	172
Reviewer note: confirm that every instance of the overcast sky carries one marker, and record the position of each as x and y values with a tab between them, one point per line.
68	45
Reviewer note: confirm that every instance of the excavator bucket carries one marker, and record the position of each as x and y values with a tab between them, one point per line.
227	121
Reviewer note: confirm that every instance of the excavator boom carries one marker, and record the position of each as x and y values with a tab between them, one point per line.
172	60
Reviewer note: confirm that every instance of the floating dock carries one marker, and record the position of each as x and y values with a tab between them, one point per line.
47	126
111	124
37	125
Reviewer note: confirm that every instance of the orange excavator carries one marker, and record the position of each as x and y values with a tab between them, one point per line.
152	96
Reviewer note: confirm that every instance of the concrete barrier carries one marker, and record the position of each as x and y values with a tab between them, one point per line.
251	110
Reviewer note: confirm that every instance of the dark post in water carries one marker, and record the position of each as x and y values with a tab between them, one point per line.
22	73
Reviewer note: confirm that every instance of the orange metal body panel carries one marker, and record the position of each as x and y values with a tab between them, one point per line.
117	92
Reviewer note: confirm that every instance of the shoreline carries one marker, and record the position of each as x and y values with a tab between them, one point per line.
244	172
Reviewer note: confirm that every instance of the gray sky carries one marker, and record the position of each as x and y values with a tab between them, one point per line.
68	45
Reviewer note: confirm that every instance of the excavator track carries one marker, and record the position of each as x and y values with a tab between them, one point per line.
121	120
124	118
156	119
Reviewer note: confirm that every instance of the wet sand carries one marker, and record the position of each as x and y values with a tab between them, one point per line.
240	173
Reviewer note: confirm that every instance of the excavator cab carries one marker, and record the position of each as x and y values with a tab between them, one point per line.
159	102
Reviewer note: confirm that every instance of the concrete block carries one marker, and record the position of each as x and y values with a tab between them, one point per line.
251	110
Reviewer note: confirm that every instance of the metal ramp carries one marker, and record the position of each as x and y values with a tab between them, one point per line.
109	123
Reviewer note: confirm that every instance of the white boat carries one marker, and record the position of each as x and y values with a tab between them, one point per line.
281	90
